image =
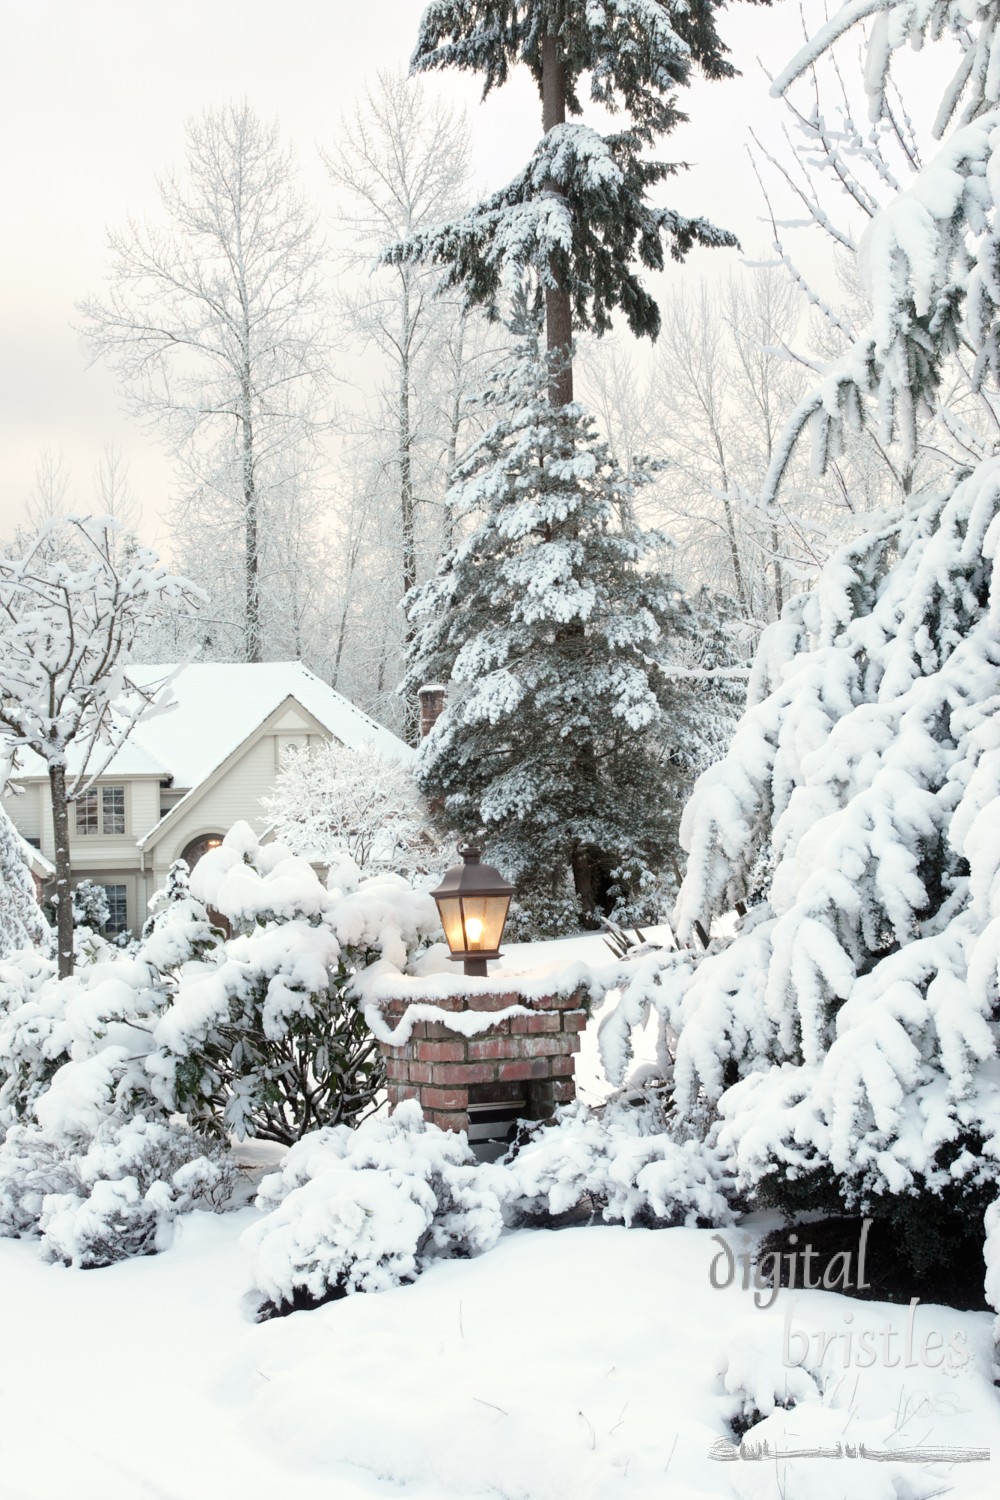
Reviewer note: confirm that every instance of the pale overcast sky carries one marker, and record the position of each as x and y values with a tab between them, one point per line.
93	99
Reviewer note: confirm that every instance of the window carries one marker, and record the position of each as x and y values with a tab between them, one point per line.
101	810
117	910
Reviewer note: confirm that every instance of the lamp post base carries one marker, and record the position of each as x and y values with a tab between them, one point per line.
475	968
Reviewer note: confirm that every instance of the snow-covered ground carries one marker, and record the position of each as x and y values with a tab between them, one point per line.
582	1364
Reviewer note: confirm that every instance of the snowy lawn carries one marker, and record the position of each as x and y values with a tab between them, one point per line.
582	1363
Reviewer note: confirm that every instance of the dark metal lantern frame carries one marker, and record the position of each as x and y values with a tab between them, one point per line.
472	900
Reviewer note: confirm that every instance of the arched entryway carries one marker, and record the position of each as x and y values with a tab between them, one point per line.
191	855
200	846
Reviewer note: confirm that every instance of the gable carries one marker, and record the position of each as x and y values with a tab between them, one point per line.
234	788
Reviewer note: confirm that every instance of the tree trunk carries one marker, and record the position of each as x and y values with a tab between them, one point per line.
779	582
558	308
411	713
454	427
252	544
734	553
64	904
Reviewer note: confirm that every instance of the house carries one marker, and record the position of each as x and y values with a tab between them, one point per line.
185	776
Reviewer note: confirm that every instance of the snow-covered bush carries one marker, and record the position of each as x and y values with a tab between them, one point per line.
91	1032
267	1038
991	1254
260	1034
626	1159
21	922
363	1210
90	905
101	1197
847	1031
25	1069
751	1372
330	800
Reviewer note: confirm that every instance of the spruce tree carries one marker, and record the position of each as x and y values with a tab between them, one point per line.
578	217
548	622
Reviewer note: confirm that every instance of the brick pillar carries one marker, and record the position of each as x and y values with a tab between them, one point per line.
432	696
438	1065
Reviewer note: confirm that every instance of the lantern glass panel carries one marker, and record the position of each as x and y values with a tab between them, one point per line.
484	919
450	908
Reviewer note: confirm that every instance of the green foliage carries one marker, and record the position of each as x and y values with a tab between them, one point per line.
323	1068
560	639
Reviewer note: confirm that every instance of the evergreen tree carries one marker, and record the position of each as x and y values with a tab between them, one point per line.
848	1032
578	216
547	620
21	922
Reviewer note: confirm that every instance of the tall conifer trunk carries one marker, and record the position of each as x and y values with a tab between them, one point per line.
558	309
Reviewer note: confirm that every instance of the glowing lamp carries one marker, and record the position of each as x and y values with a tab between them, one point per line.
472	900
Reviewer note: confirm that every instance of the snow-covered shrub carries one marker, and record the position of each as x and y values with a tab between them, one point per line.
752	1371
22	924
626	1159
178	928
266	1038
99	1198
330	800
24	1068
92	1032
991	1254
847	1032
362	1210
90	905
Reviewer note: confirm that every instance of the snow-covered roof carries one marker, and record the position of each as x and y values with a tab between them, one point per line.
218	706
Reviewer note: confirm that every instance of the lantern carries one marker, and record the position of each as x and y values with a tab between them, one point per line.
472	900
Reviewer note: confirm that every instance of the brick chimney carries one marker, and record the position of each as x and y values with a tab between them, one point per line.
432	696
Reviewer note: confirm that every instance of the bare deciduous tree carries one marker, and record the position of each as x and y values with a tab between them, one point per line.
213	322
401	164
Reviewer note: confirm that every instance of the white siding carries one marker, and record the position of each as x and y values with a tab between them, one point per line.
235	796
25	812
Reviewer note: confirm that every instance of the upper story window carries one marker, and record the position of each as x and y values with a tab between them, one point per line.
101	810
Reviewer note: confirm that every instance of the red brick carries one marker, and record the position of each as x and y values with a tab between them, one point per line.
397	1069
546	1046
574	1020
458	1073
437	1031
562	1090
561	1002
447	1120
560	1067
527	1067
544	1003
421	1073
435	1098
534	1024
440	1051
397	1092
481	1048
493	1002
